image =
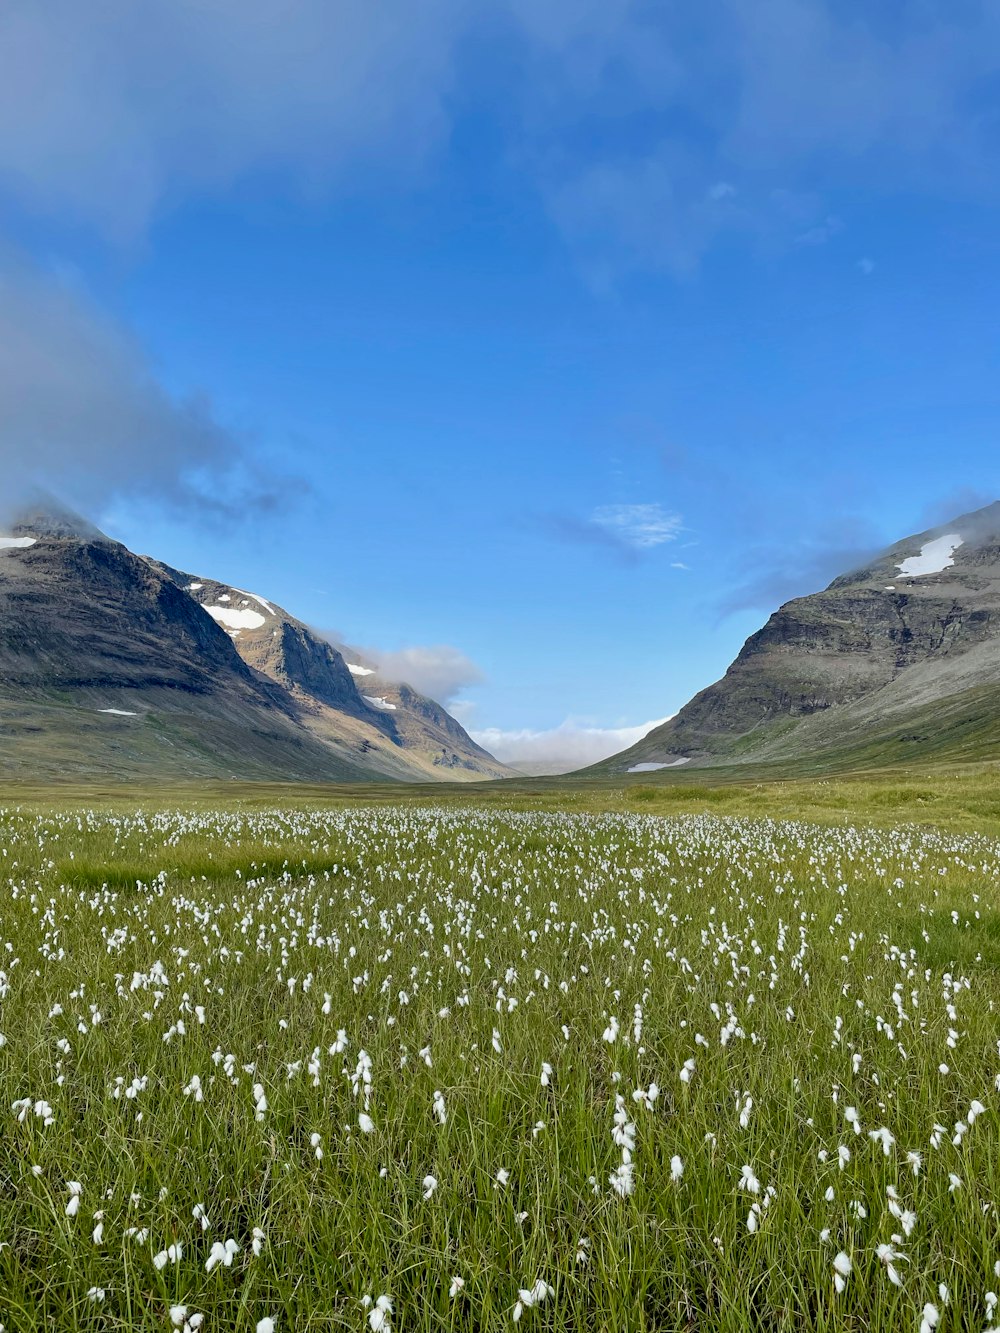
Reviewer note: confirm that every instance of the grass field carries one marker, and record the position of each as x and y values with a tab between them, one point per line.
634	1056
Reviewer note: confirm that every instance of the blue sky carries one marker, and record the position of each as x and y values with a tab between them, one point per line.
545	347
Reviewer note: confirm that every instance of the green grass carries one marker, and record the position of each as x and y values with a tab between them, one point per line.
270	936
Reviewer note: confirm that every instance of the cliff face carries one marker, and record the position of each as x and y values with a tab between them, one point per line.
922	619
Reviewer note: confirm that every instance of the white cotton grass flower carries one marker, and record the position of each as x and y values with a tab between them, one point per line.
172	1255
546	1075
503	1176
841	1271
199	1215
457	1286
890	1257
528	1297
365	1123
222	1253
852	1118
439	1109
379	1317
748	1181
676	1168
622	1180
96	1294
257	1241
73	1203
930	1318
884	1137
265	1325
430	1184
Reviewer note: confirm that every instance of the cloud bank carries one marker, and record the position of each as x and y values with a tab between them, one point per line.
573	744
438	670
81	412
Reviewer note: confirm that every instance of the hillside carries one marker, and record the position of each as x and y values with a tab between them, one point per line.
111	666
897	660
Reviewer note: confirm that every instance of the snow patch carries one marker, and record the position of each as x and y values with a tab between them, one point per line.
356	670
377	701
118	712
16	543
194	587
234	618
652	768
253	596
225	597
934	556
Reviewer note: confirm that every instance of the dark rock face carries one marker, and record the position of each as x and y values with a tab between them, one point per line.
89	614
822	662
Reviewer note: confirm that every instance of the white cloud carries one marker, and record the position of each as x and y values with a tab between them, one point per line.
437	670
573	744
111	108
641	526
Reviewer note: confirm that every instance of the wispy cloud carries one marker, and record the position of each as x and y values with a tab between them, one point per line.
575	743
626	531
641	526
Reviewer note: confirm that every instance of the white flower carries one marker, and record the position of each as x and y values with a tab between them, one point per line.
257	1241
930	1319
622	1179
676	1168
748	1181
365	1123
96	1294
75	1190
841	1270
457	1284
265	1325
222	1254
884	1137
440	1112
430	1185
172	1254
378	1318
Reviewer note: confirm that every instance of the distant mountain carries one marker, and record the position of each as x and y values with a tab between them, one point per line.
114	664
892	662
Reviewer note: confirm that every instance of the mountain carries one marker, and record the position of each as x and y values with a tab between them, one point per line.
896	661
114	664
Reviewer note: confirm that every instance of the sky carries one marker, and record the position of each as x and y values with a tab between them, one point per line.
538	348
